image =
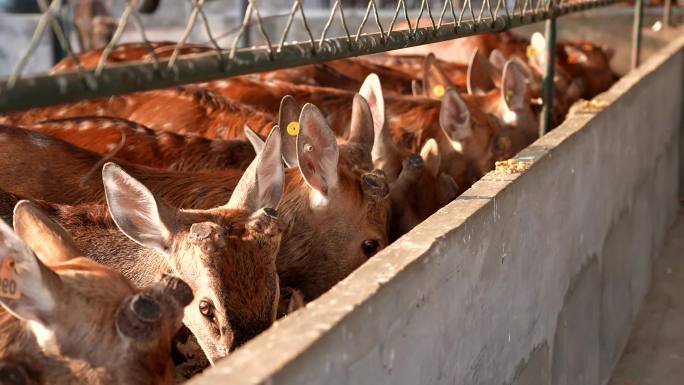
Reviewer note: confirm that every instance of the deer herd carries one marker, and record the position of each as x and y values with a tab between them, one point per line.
146	236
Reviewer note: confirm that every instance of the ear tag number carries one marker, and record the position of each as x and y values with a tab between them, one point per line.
293	128
438	90
9	288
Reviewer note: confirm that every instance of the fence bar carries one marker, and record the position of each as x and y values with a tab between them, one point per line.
549	73
636	33
667	13
71	86
245	38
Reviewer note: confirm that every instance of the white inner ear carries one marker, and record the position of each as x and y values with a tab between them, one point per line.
134	209
317	146
497	59
514	87
270	173
538	41
317	200
254	139
371	90
262	183
45	336
431	156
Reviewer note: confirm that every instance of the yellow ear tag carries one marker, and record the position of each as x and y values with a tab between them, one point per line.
438	90
509	93
531	52
293	128
9	288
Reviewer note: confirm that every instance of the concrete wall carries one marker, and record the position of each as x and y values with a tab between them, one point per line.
531	278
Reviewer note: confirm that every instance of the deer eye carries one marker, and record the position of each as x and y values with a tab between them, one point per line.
206	308
370	247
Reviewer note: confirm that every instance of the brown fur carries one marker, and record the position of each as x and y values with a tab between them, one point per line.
159	149
63	173
187	109
347	74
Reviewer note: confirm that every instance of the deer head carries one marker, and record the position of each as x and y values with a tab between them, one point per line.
226	254
75	308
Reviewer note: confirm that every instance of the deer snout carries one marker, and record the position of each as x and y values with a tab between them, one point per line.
139	317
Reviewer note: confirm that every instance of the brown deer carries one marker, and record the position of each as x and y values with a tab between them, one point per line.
138	144
226	253
69	175
121	53
67	319
186	109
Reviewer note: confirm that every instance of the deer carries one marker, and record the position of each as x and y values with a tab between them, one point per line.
121	53
66	319
346	74
195	110
68	174
324	185
416	190
138	144
226	254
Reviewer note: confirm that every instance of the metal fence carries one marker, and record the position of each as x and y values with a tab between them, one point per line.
423	24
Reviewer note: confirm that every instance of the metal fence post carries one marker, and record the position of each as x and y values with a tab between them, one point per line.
245	38
549	73
636	33
667	13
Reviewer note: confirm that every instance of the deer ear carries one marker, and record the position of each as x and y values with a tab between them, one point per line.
288	121
497	59
136	212
535	52
575	55
435	81
454	116
416	88
362	129
254	139
479	77
261	186
431	156
317	152
514	86
371	90
30	289
48	240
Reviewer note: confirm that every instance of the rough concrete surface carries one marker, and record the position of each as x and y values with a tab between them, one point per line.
532	278
655	352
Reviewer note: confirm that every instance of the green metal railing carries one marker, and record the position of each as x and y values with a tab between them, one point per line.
21	92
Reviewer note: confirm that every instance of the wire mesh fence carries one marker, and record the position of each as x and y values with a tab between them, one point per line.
405	24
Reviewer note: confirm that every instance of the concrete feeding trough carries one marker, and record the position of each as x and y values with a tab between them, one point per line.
533	276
